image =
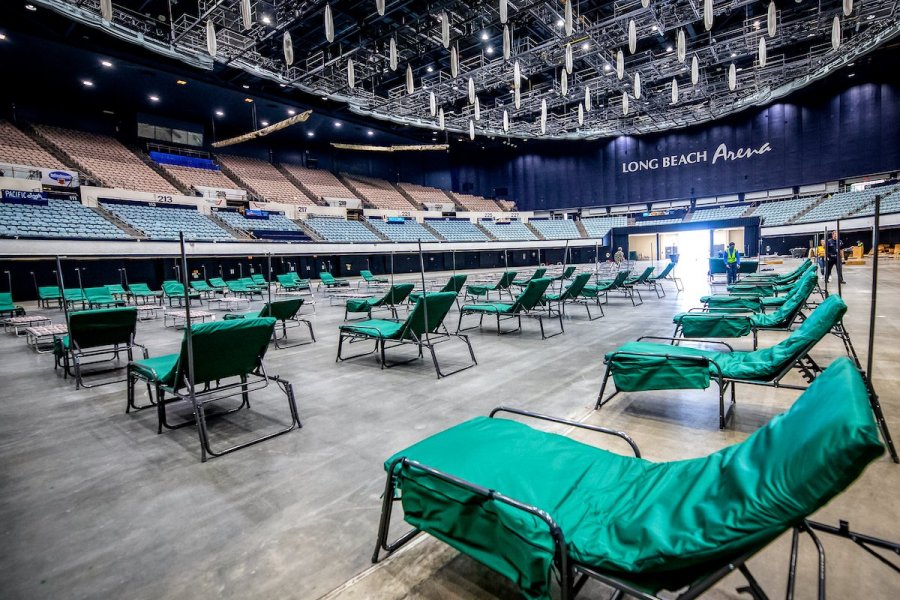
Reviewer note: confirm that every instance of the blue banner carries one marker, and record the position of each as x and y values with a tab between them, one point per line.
255	214
23	197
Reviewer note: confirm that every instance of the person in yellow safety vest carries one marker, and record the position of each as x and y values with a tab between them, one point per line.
820	254
732	260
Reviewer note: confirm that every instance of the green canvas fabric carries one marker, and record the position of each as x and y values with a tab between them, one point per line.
99	295
564	275
396	294
259	280
785	314
201	286
538	274
571	291
529	298
637	373
329	280
73	295
631	517
504	283
115	289
175	289
606	285
642	278
454	284
376	328
281	310
140	289
286	281
488	307
217	282
732	302
710	325
367	275
6	301
159	368
772	301
663	273
250	283
752	290
102	327
783	278
48	292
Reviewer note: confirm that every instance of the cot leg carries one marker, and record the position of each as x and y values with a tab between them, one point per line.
600	400
753	587
792	564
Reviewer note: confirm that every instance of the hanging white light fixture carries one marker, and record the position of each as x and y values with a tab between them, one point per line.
732	77
681	46
471	129
580	114
106	10
645	3
410	88
695	70
432	103
772	20
379	7
441	118
707	14
836	33
288	47
507	43
564	83
246	18
517	76
587	98
392	54
568	18
624	103
329	24
211	42
505	120
445	29
454	62
504	11
620	64
517	98
471	91
569	59
674	91
351	73
848	7
637	86
762	54
632	36
543	116
477	109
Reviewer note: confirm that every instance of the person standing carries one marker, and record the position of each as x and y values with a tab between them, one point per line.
833	257
619	256
820	256
732	259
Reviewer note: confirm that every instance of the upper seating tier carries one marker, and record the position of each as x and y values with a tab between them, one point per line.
16	148
264	180
322	184
378	193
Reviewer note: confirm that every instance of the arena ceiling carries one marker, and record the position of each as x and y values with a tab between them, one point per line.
587	69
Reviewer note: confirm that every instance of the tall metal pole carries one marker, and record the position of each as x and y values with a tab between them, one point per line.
188	334
825	258
78	272
392	270
37	291
505	260
269	278
875	239
424	297
205	278
241	269
62	290
454	261
840	256
9	280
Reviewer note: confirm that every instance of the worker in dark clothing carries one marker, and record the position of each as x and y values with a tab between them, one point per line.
833	257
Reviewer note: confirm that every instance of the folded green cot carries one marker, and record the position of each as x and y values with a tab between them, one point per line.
100	297
328	280
285	312
527	304
537	506
368	278
393	297
454	284
227	359
118	292
143	291
201	287
485	290
602	287
74	296
423	327
173	291
755	302
642	366
8	308
239	288
48	294
103	333
724	324
780	279
572	295
538	274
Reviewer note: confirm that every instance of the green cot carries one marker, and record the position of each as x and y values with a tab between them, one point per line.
527	304
395	295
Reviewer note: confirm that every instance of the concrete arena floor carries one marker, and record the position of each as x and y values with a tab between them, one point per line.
95	504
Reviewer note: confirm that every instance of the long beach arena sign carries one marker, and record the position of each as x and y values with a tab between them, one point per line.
722	153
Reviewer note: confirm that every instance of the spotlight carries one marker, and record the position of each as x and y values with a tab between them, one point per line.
30	7
87	83
248	100
266	20
292	112
245	86
607	67
154	98
310	134
490	49
264	123
430	69
654	28
668	48
586	46
370	133
485	36
181	82
756	24
733	54
337	124
560	23
106	63
220	113
2	37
